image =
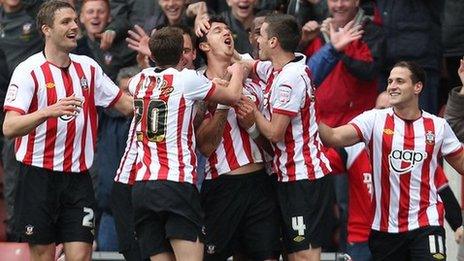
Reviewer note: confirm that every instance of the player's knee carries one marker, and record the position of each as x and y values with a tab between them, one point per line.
42	252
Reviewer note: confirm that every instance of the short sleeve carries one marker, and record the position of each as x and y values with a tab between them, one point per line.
262	70
20	91
107	92
133	83
196	86
451	145
254	91
289	94
364	123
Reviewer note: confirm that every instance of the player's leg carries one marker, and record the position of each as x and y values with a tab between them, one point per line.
35	205
42	252
76	221
260	227
187	250
428	243
305	206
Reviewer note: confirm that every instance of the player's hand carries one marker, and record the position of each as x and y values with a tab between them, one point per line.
245	112
236	68
309	31
69	106
458	234
195	9
345	35
202	24
220	82
138	41
461	74
106	39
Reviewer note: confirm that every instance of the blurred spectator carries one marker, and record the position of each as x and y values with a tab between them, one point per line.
175	12
454	112
19	39
351	87
306	10
239	18
413	30
453	43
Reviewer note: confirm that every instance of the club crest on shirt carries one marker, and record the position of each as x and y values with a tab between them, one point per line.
84	83
12	93
430	138
411	159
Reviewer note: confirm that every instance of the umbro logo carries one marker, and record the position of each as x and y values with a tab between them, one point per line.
388	131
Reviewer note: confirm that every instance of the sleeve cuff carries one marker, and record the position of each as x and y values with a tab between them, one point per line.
455	153
11	108
358	131
284	112
116	99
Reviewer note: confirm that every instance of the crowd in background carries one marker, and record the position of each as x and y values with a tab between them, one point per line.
426	31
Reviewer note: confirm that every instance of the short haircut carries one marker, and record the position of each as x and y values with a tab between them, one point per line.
167	45
285	28
202	39
46	13
417	73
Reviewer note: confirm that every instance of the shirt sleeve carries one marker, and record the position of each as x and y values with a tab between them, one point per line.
262	70
196	86
364	123
20	90
133	83
451	145
290	93
107	92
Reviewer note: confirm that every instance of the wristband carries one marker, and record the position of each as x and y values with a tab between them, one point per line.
253	131
222	107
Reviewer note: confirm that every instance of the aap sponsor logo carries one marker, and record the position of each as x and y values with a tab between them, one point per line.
410	157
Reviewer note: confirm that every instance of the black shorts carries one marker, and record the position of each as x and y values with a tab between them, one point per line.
54	206
121	206
241	216
422	244
166	210
305	206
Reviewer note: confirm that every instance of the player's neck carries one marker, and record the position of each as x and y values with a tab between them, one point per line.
56	56
408	112
217	68
280	59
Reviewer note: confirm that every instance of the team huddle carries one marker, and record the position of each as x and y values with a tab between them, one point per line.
255	121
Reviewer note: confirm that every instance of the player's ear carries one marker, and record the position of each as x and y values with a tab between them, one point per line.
418	88
205	47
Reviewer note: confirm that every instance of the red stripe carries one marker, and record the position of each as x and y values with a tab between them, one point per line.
305	123
229	148
70	126
290	151
405	180
385	176
93	109
210	92
284	112
51	123
132	174
85	111
145	142
161	146
11	108
246	144
31	136
424	203
212	160
276	161
180	124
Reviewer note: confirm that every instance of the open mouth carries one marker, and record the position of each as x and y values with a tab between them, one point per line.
228	41
243	7
71	36
95	22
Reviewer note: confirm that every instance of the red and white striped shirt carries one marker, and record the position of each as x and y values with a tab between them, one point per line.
164	104
63	143
236	148
404	157
299	155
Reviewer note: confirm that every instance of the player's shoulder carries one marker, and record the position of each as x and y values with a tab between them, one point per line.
32	62
83	59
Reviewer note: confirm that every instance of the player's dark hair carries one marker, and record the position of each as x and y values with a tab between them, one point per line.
285	28
417	73
47	11
167	45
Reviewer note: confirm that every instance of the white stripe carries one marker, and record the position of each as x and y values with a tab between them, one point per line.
432	246
441	250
